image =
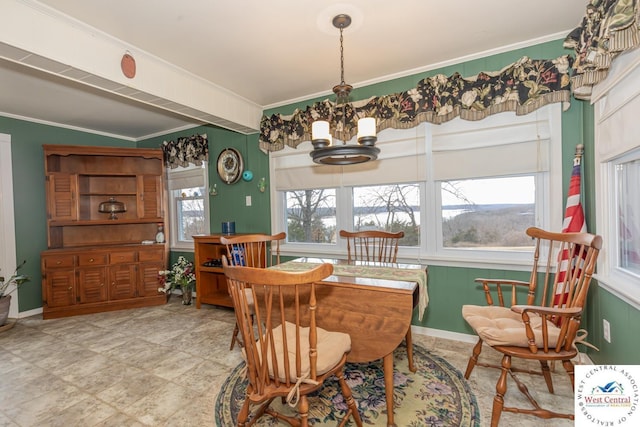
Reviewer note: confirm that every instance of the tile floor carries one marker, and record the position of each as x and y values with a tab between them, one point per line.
163	366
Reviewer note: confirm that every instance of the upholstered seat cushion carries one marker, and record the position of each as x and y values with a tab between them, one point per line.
501	326
331	346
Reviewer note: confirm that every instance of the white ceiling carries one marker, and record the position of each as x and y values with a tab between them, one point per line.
275	52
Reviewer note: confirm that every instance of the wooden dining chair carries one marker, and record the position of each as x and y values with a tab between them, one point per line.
252	250
286	354
545	328
377	246
372	245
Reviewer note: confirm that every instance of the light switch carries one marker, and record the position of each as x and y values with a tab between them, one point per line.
248	200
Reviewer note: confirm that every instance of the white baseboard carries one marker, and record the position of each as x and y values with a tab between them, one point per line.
28	313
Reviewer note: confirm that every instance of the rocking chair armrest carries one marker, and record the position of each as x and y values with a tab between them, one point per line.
496	285
502	281
547	311
548	315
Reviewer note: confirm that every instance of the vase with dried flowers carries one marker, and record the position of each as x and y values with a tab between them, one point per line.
5	293
181	275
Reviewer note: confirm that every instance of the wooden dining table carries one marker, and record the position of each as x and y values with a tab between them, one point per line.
372	302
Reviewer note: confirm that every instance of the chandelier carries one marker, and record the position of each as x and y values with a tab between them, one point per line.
324	151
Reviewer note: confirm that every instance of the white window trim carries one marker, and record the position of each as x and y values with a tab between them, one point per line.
428	252
617	104
7	219
174	244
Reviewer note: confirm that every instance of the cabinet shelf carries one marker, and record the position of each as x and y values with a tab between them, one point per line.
108	194
216	270
80	223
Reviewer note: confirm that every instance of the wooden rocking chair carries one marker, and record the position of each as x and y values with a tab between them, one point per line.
545	328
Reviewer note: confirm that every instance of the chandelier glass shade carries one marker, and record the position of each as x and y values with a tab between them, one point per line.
325	151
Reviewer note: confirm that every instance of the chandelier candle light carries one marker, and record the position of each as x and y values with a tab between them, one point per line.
324	151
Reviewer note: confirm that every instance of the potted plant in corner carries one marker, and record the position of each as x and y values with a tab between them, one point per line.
5	294
181	275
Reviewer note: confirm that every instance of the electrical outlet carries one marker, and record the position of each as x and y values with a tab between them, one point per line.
606	330
248	200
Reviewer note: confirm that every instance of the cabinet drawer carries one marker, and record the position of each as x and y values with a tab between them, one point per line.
53	261
92	259
122	257
155	255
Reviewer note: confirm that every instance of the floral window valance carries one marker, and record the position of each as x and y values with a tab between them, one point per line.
609	27
521	87
193	149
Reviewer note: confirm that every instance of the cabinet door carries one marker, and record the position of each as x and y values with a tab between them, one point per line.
60	287
91	284
123	281
63	190
148	278
149	196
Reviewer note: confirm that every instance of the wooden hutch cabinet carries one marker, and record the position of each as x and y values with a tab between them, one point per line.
100	261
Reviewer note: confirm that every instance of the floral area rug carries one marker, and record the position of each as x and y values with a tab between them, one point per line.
436	395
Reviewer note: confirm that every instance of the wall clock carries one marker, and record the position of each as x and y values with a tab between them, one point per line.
230	165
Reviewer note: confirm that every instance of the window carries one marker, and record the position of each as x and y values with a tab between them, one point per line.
627	177
311	215
188	209
488	213
388	208
190	215
461	191
619	224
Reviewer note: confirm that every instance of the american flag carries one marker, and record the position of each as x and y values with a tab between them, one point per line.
573	223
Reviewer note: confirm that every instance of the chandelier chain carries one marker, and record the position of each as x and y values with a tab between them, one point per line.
341	59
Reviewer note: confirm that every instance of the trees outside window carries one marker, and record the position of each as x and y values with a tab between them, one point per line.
188	205
488	213
190	213
388	208
311	216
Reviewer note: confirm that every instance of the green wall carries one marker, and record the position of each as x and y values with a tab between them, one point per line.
449	287
229	204
27	161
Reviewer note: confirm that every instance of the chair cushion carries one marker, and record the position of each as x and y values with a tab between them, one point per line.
331	346
501	326
249	297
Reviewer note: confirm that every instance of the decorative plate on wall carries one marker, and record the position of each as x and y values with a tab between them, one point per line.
230	165
128	65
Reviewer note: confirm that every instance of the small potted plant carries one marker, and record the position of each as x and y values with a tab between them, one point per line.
182	275
5	294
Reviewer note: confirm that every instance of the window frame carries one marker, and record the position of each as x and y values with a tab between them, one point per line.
619	281
173	195
548	190
487	256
